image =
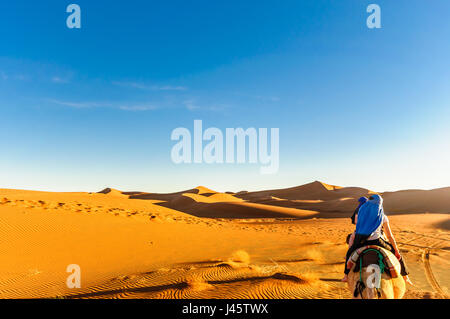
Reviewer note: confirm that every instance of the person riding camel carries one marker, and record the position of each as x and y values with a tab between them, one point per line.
370	223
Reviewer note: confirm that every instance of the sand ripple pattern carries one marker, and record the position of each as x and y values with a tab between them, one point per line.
216	280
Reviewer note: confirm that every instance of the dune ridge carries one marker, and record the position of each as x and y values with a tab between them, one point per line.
316	199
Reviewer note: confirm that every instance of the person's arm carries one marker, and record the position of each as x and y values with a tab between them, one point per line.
351	240
353	218
391	238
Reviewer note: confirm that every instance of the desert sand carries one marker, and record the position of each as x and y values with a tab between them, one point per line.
198	243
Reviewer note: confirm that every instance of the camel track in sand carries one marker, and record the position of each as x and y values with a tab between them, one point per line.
428	270
429	273
425	257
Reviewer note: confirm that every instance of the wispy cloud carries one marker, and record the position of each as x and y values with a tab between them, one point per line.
79	105
170	88
25	77
60	80
260	97
137	108
143	86
21	77
17	77
192	105
123	107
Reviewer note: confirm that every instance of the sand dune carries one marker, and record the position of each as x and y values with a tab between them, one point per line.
324	198
203	202
419	201
200	243
314	199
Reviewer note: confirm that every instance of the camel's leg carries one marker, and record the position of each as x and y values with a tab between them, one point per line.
399	287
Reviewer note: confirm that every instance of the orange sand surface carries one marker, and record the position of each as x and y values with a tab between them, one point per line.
202	244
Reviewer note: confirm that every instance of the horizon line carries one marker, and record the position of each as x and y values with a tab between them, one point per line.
242	190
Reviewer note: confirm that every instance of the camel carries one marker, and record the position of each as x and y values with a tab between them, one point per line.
390	288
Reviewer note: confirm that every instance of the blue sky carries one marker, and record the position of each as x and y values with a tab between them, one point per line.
84	109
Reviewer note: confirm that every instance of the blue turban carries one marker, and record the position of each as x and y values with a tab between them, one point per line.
370	216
